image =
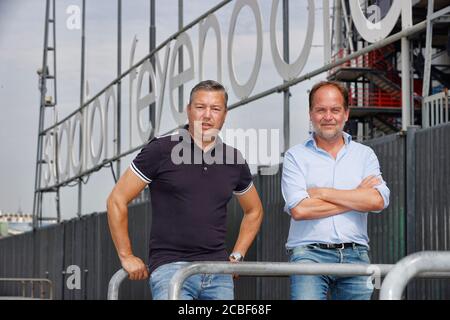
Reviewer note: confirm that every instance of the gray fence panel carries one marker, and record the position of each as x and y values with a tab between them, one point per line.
432	203
387	229
273	235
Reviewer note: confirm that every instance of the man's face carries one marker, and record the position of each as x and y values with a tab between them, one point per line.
207	111
328	115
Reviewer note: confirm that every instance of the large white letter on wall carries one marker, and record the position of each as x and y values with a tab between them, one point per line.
289	71
244	90
373	32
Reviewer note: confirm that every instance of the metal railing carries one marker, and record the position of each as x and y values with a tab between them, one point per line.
375	271
273	269
409	267
435	109
114	284
28	287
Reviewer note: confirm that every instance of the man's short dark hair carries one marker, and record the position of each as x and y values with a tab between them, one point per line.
339	86
209	85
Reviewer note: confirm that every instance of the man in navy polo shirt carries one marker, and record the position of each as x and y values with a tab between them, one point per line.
191	176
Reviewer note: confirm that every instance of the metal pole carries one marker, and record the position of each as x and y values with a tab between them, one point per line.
286	93
427	62
83	19
180	57
406	84
349	33
57	199
428	48
407	268
326	31
114	284
337	16
411	194
152	46
119	88
55	91
37	200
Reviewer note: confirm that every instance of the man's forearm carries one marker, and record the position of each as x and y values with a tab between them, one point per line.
118	225
361	199
309	209
250	225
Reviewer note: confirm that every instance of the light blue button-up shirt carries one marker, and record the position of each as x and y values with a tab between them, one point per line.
308	166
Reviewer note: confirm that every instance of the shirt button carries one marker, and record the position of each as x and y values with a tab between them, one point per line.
205	168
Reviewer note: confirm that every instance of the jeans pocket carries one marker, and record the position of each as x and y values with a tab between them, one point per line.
363	254
298	253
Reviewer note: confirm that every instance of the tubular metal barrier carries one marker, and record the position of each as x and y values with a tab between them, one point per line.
32	283
376	271
114	284
409	267
273	269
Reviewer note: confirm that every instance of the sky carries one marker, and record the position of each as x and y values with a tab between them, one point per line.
21	49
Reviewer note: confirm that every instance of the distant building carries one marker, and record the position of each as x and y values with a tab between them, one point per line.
15	223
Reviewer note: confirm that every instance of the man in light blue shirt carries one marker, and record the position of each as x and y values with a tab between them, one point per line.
329	184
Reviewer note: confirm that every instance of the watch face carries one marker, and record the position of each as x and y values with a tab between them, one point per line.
236	256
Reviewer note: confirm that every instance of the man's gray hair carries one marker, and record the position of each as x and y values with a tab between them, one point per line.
209	85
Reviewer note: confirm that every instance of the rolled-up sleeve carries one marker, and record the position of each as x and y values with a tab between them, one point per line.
293	184
373	168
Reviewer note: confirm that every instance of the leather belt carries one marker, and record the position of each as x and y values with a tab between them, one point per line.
334	245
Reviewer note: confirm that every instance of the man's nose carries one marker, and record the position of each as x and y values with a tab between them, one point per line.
207	113
328	116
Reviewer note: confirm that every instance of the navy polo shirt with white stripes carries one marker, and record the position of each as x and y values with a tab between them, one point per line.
189	191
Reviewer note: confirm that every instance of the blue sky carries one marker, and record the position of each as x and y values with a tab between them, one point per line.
21	43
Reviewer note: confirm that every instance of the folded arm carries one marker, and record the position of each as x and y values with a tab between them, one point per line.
364	198
311	208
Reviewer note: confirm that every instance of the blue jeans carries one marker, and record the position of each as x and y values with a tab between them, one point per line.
338	287
197	286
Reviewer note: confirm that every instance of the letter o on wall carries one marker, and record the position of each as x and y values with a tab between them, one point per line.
243	91
285	70
95	157
47	150
63	171
373	32
77	121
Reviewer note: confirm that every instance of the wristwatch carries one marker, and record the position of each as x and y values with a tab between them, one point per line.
236	256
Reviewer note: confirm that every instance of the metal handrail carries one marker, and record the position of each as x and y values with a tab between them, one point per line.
266	269
409	267
41	282
114	284
271	269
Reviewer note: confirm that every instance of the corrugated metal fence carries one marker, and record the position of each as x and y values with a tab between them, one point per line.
416	167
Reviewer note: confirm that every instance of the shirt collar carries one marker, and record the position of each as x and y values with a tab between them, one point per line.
311	142
190	140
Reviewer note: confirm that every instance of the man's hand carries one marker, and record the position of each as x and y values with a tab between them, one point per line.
369	182
315	193
235	275
136	268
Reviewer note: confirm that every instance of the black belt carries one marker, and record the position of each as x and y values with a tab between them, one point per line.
335	245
